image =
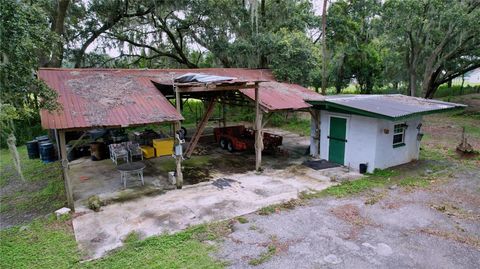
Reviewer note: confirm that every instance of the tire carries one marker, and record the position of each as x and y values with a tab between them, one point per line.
223	143
230	147
182	133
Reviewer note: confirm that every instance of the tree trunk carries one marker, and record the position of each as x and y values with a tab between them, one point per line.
263	58
431	85
340	73
412	81
429	78
324	48
461	86
57	56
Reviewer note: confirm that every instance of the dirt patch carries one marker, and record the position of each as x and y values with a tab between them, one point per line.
351	214
22	201
468	240
454	211
195	175
235	163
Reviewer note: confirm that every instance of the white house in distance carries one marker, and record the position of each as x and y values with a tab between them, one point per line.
372	131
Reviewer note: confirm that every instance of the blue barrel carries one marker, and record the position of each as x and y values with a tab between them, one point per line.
47	152
32	149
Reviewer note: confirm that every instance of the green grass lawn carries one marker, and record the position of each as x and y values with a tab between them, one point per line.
44	244
48	243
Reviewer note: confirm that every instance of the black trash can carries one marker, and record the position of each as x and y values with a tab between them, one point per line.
32	149
47	152
363	168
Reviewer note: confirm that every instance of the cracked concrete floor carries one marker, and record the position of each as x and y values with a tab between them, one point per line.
99	232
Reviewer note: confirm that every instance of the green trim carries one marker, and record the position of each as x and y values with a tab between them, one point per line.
334	107
398	145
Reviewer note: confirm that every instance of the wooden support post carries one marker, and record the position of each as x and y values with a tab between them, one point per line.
178	159
64	163
258	131
224	114
315	133
201	126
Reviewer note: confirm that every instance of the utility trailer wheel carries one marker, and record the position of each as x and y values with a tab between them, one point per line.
223	143
182	132
230	147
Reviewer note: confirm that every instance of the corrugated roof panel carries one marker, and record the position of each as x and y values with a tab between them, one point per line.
391	105
122	97
104	98
283	96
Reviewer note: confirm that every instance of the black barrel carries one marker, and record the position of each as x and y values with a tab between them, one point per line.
363	168
42	139
32	149
47	152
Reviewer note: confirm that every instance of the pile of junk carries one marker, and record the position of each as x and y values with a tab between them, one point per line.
95	144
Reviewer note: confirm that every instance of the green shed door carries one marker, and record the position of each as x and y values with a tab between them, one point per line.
337	140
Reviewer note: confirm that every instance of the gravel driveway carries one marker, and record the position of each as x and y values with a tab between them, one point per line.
434	227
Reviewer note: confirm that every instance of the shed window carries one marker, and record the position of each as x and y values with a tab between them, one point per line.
399	135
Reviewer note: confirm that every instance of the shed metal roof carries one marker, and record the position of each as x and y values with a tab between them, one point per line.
390	106
274	95
104	98
121	97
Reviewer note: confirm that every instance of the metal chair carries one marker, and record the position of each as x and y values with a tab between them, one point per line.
118	152
134	150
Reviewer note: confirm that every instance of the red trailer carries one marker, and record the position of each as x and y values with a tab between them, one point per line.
239	138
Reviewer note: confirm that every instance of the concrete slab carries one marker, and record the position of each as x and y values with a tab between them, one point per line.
233	190
102	178
99	232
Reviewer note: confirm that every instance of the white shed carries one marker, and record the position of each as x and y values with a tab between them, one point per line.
378	131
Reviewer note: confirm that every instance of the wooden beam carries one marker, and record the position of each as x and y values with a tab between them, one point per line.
315	133
266	119
201	126
210	88
64	164
178	159
258	131
224	115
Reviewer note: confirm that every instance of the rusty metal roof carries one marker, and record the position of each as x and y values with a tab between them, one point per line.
104	98
276	96
122	97
389	106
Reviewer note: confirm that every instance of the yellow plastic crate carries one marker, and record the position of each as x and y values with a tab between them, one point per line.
148	152
163	146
